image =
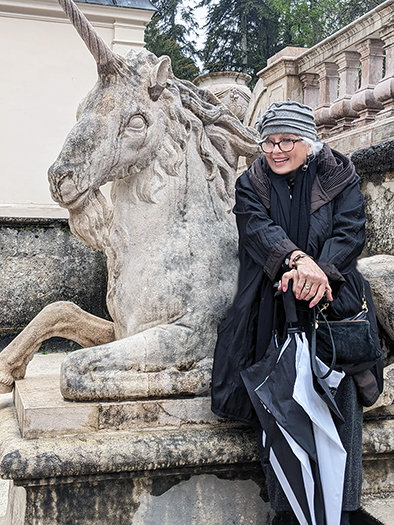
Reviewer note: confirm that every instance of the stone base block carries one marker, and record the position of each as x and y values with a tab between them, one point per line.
42	411
178	497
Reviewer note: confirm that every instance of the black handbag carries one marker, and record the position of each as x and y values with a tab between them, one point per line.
346	345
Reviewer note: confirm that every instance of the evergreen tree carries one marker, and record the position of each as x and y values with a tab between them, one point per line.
304	23
169	33
243	34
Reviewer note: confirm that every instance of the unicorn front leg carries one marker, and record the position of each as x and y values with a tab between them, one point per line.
60	319
146	364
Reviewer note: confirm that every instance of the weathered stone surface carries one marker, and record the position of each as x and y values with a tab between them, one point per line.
206	499
171	152
230	87
386	398
4	490
60	318
374	160
375	165
379	508
42	411
147	499
379	271
134	450
41	262
55	474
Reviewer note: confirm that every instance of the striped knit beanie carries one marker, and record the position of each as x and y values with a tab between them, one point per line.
288	117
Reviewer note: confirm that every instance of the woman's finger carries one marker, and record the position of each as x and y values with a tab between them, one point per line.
299	285
286	277
328	293
319	295
308	294
296	283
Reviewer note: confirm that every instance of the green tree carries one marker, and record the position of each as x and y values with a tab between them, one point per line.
304	23
241	34
170	33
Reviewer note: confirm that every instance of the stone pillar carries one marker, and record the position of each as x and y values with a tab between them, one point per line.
328	78
310	86
363	101
384	90
341	110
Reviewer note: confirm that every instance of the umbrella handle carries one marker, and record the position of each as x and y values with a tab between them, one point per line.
289	304
313	348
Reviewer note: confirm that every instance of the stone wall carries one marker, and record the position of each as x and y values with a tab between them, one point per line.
375	165
42	262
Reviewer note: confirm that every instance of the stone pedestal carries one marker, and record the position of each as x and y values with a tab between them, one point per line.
230	87
156	461
164	462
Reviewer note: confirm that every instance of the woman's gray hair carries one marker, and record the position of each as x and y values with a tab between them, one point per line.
316	145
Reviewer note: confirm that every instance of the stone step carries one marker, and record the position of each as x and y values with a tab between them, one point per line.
42	411
378	510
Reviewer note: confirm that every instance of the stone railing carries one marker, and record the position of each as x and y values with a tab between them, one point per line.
348	79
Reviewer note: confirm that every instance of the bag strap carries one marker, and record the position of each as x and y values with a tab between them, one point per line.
313	346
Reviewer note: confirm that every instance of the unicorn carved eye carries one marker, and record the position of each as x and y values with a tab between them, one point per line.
137	123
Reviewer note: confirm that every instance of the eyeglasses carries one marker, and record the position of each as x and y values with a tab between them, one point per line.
285	145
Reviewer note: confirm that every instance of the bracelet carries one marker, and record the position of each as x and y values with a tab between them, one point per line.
297	257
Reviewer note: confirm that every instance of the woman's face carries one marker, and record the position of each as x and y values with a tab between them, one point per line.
282	162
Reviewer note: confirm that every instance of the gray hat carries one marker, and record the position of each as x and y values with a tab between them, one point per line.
288	117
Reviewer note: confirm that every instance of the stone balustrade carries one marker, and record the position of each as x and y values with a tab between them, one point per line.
348	79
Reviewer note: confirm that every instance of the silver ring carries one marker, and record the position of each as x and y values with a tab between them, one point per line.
307	286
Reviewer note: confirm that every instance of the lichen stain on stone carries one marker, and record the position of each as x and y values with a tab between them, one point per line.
107	104
13	462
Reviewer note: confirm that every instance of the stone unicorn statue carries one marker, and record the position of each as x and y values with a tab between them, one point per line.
171	152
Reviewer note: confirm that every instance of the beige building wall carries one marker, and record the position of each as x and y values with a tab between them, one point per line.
45	71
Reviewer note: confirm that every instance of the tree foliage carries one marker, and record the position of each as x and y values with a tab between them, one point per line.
243	34
304	23
170	33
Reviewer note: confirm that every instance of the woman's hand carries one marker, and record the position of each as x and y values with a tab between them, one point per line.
310	283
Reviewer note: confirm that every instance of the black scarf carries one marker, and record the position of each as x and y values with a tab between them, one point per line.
290	209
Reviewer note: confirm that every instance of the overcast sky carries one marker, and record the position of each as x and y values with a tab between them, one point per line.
200	14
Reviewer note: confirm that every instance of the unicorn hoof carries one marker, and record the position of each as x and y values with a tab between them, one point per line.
5	389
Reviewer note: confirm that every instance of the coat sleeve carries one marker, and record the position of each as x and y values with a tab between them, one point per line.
340	251
265	242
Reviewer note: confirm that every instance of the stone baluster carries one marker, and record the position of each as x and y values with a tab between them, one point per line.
384	90
341	110
310	86
328	79
363	100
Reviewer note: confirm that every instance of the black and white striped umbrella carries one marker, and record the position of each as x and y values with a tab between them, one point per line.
300	439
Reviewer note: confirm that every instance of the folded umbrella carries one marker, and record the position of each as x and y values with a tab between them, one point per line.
300	439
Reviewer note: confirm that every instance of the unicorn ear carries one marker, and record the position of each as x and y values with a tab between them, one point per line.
159	76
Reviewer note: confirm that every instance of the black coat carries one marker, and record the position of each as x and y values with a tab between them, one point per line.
336	238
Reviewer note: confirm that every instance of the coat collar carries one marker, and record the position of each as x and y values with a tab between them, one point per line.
334	171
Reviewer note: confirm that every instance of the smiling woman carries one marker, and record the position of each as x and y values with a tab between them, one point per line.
285	153
300	219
